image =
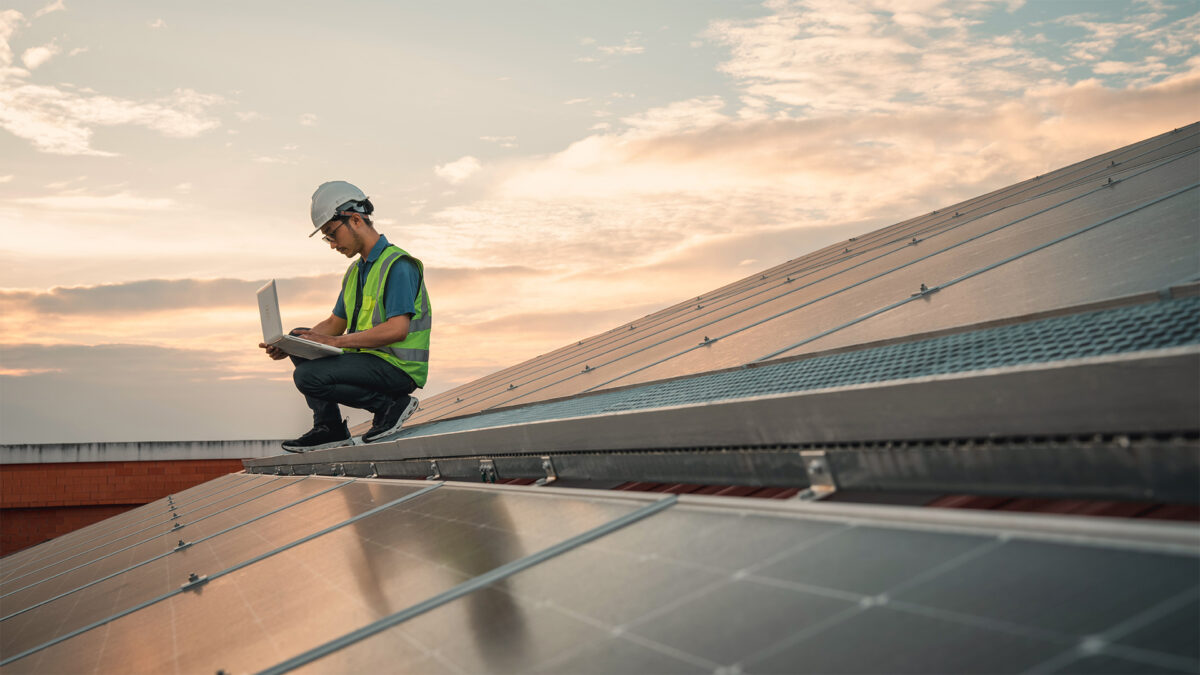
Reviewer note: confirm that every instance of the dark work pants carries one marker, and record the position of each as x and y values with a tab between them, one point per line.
354	379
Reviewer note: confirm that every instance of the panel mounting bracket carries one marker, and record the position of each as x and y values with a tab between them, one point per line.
487	471
551	474
821	482
194	581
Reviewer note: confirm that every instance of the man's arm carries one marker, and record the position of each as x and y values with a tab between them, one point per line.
394	329
334	325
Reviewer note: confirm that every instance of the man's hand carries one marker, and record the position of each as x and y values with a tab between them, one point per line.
317	337
273	352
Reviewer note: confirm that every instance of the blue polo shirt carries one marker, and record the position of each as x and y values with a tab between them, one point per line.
399	289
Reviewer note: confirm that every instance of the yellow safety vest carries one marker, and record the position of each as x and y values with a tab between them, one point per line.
410	354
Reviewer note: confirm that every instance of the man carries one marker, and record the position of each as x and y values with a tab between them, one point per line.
382	321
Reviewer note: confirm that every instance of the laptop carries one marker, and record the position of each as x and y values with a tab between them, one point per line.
268	312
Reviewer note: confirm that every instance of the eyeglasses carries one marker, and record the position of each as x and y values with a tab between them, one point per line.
328	236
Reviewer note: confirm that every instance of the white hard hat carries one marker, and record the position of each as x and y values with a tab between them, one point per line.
332	199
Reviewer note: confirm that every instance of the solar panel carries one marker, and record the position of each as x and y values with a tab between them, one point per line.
350	575
120	551
801	298
731	590
1148	325
23	562
1089	267
163	564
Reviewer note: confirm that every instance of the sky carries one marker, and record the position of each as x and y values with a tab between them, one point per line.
560	167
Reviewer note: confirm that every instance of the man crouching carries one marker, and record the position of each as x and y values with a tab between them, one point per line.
382	321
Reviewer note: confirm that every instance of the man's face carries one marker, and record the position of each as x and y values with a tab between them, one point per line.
341	236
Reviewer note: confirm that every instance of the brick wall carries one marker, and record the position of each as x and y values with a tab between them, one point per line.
41	501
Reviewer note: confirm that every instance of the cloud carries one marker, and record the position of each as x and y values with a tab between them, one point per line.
94	393
161	295
7	178
56	6
25	372
37	56
576	101
502	141
78	201
678	117
308	120
459	170
250	116
60	120
157	23
821	57
672	181
10	21
628	47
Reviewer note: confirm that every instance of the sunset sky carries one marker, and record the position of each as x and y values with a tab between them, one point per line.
560	167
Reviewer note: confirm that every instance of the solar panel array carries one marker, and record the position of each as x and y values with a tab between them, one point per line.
1146	325
1077	235
320	574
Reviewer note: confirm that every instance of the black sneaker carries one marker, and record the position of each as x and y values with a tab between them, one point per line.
321	436
389	420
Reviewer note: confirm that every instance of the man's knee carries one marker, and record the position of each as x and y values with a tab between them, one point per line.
306	377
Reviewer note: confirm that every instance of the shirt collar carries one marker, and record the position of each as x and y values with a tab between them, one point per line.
377	249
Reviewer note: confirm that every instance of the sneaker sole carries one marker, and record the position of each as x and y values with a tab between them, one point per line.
413	404
323	446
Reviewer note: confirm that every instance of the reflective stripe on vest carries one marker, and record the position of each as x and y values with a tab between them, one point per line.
410	354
